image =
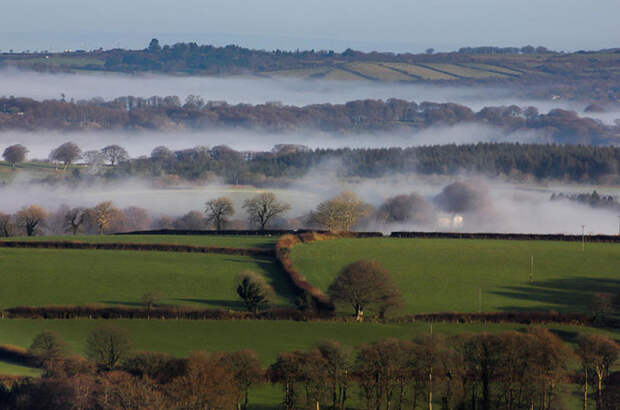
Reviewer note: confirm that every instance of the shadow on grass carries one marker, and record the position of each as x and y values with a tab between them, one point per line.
564	295
224	304
123	303
275	276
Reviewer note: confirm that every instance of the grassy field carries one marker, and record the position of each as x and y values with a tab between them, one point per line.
232	241
445	275
37	277
267	338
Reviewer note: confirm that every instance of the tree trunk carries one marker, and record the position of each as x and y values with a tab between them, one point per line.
599	390
430	389
359	313
585	390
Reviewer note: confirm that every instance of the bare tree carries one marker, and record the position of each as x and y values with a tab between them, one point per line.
254	290
48	346
15	154
107	345
74	218
263	208
6	225
340	213
597	354
103	215
114	154
93	157
66	153
31	219
246	370
218	211
193	220
365	284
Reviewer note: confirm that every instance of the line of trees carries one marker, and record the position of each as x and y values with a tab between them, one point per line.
459	204
374	116
510	370
289	161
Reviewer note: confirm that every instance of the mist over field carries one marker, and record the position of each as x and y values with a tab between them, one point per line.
41	143
499	206
257	90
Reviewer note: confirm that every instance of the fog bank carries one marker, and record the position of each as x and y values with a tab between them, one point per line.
258	90
41	143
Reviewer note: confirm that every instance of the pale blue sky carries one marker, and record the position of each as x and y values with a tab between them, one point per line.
396	25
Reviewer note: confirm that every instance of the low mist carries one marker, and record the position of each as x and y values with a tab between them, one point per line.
259	90
498	206
40	143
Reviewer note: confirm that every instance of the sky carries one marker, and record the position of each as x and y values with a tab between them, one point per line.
388	25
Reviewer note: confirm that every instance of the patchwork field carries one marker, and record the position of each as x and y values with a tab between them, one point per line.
446	275
38	277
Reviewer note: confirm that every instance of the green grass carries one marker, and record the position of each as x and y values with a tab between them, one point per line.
267	338
230	241
37	277
444	275
17	370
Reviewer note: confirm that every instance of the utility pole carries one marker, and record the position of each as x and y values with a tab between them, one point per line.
583	238
532	269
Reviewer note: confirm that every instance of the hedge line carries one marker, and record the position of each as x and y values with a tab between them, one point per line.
299	281
158	312
159	247
16	354
270	232
508	236
529	317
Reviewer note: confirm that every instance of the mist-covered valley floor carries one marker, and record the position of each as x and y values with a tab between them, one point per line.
500	205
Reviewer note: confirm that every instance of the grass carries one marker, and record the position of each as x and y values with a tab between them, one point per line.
38	277
267	338
425	73
444	275
11	369
232	241
379	72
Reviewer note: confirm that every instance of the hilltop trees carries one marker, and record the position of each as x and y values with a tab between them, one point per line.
263	208
254	290
31	219
365	284
15	154
218	211
341	213
66	153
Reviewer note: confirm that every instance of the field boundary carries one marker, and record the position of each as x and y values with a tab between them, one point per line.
291	314
508	236
118	246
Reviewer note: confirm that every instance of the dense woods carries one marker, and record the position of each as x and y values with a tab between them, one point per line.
516	161
393	115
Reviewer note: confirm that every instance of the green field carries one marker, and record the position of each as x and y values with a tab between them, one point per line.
445	275
38	277
267	338
230	241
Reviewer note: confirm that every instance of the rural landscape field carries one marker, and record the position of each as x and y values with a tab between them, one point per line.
347	205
